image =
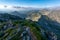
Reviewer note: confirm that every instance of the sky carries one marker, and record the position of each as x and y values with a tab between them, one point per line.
31	3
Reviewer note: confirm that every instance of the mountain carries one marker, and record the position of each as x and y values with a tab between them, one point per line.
55	15
49	25
16	28
33	15
20	14
50	22
6	17
41	24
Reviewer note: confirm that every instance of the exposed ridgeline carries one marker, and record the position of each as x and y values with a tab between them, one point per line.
36	15
33	16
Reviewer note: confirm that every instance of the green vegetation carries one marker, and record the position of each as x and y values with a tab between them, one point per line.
35	29
15	27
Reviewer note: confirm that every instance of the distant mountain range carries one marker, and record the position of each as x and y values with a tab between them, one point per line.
53	13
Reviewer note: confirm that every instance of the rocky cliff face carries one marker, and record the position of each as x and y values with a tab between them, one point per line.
34	17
